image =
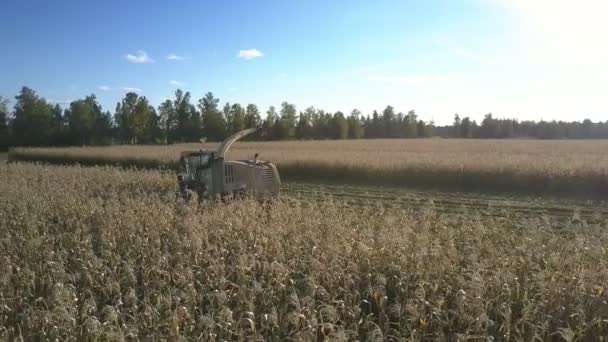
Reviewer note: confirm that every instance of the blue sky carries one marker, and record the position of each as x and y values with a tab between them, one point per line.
528	59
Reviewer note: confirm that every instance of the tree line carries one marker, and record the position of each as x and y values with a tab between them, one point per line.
33	121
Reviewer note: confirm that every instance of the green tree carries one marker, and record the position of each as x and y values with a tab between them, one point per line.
102	133
287	121
214	124
421	129
429	129
270	122
388	121
167	119
58	130
81	117
375	126
228	117
457	124
144	121
136	119
355	127
237	118
188	123
123	114
339	126
252	116
466	128
411	124
305	123
4	131
321	124
32	119
195	125
489	127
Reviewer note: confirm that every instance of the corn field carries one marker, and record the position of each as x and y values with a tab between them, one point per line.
105	254
552	157
531	166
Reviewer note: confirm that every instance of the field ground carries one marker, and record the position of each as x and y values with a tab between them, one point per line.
565	168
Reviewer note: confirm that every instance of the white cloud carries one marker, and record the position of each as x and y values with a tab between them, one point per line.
249	54
177	83
131	89
174	57
140	58
104	88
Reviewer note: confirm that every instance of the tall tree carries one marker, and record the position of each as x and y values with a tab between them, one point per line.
228	117
32	120
136	119
4	132
195	125
86	122
421	131
188	121
411	124
304	129
214	124
287	121
270	122
237	118
144	121
103	129
489	127
388	120
466	128
339	126
456	125
321	123
355	127
123	114
252	116
375	126
167	120
58	123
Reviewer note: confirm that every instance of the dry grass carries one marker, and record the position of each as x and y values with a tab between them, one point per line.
104	254
503	165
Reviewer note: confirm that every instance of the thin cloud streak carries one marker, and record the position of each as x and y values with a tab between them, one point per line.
249	54
174	57
140	58
131	89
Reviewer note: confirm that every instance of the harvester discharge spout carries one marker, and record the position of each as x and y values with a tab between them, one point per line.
231	140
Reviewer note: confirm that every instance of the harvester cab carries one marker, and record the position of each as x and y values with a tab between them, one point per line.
208	175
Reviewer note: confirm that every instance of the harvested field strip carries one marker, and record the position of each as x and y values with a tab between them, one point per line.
445	202
437	195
